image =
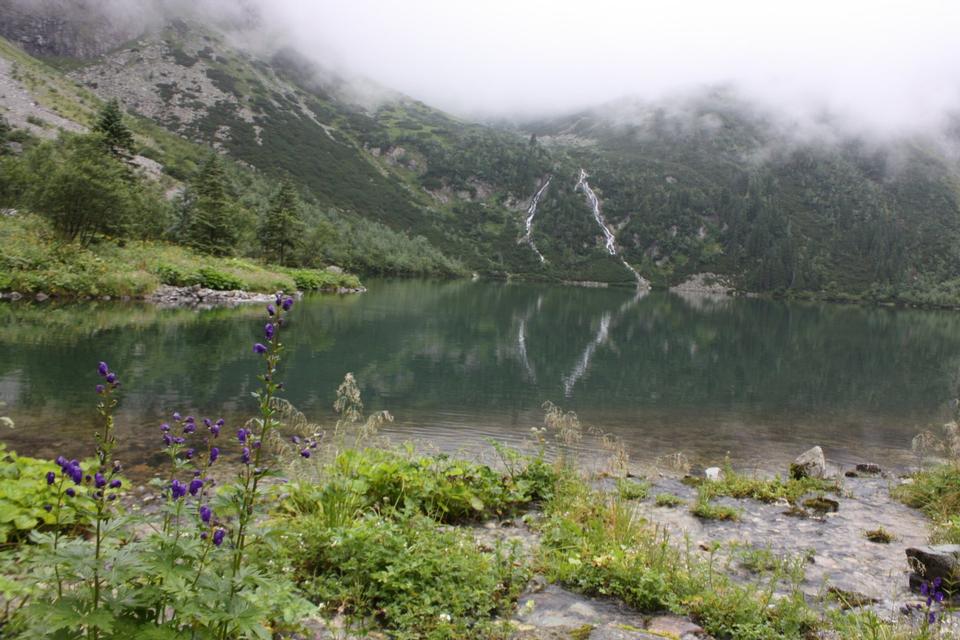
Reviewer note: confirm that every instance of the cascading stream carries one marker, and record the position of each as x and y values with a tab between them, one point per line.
608	237
531	212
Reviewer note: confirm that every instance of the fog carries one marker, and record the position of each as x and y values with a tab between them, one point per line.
869	64
880	64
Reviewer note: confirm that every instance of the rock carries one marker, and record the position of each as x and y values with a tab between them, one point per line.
936	561
334	269
809	464
674	627
41	297
869	467
15	295
713	474
851	474
822	505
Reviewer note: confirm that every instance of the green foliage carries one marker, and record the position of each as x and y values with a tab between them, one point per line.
115	135
596	544
25	496
409	577
706	510
736	485
632	490
209	217
313	280
936	492
213	279
668	500
79	187
281	226
446	489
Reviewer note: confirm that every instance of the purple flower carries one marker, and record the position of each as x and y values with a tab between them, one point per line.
218	536
75	472
115	484
51	477
178	440
245	456
207	422
287	303
268	330
189	453
931	617
103	369
214	454
177	489
295	439
219	422
215	430
111	377
48	508
61	462
205	514
71	492
99	481
99	389
190	427
259	348
164	427
305	453
271	310
167	440
176	416
924	588
195	485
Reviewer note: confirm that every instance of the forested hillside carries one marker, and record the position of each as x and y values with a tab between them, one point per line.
706	183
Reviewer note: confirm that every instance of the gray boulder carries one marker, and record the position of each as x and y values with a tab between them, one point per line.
935	561
809	464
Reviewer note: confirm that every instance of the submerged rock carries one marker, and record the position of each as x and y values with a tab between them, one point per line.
809	464
869	468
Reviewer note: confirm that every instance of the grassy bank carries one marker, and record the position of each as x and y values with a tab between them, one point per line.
33	260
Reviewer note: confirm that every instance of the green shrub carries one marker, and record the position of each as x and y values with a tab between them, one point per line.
25	494
214	279
173	275
668	500
411	578
632	490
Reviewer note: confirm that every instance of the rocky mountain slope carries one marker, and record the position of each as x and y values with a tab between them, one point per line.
660	191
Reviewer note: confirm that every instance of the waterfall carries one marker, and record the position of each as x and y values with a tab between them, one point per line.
608	237
531	212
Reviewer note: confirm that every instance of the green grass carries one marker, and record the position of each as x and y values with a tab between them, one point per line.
33	260
737	485
937	493
668	500
632	489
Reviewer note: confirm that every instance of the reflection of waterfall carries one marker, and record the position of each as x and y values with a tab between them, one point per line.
603	336
522	340
531	212
608	237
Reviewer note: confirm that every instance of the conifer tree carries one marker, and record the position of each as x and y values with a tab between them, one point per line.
116	134
211	220
281	226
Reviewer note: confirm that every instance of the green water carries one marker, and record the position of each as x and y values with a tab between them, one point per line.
459	362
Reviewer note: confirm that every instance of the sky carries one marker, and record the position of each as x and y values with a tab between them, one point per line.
879	63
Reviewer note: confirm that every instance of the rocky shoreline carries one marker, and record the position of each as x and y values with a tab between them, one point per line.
169	296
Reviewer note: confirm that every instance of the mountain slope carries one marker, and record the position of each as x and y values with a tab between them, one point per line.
701	183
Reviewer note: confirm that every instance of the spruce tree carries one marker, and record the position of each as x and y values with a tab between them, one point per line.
116	134
211	224
281	226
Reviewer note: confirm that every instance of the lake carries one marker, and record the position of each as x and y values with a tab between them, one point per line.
460	362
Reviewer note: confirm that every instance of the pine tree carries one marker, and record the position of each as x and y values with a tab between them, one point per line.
211	221
280	227
116	134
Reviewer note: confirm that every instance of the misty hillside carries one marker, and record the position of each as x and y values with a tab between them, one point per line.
703	183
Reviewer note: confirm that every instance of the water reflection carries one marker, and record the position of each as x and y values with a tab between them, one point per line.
458	362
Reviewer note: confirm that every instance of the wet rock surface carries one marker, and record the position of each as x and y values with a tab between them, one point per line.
838	553
935	561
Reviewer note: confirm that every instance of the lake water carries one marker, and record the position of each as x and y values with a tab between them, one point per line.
460	362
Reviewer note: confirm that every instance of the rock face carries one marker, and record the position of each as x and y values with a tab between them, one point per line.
809	464
935	561
69	28
713	474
